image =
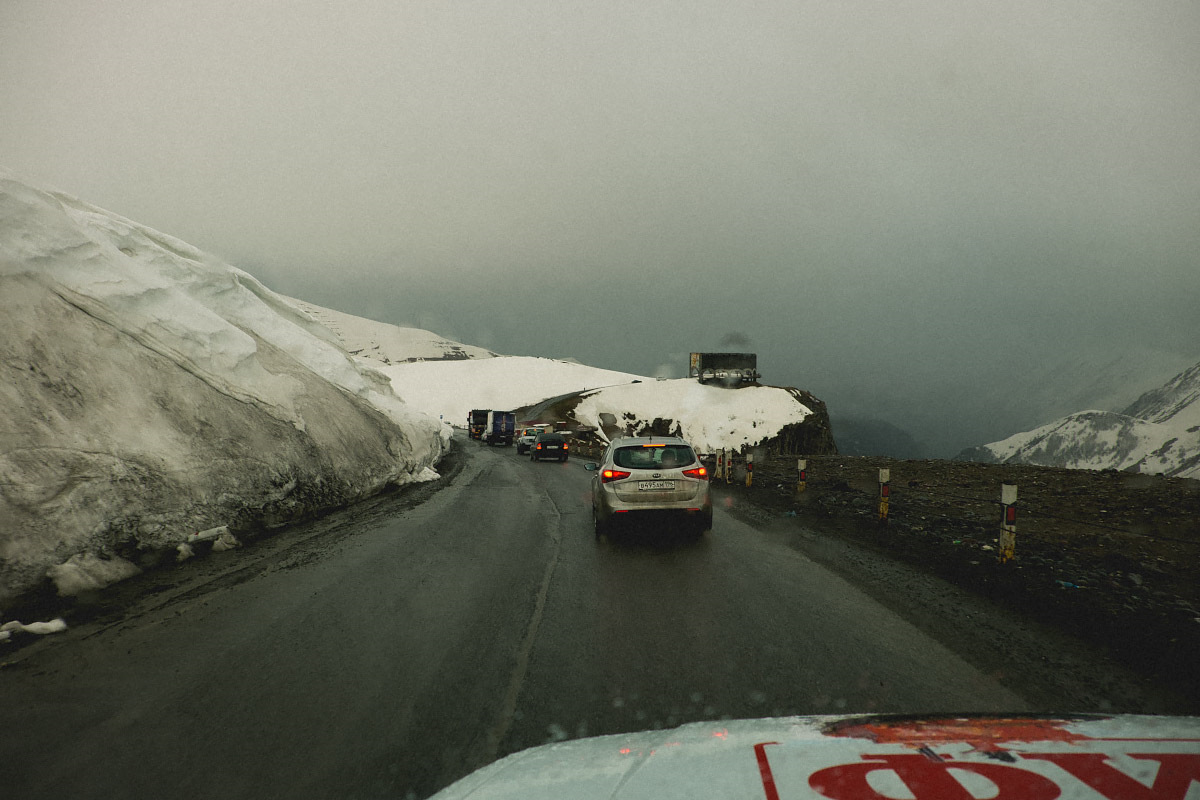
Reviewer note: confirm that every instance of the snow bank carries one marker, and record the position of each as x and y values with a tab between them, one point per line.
85	572
57	625
152	391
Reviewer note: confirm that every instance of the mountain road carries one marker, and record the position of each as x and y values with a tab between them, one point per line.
390	649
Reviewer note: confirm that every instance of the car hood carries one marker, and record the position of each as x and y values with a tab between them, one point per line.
862	758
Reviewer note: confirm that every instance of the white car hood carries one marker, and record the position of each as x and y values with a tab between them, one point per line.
862	758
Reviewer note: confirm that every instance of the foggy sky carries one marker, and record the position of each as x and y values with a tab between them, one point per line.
915	210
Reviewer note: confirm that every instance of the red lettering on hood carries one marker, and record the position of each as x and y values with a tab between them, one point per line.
1176	771
927	779
764	770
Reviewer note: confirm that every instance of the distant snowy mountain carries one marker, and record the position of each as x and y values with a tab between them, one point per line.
1101	381
1158	433
151	391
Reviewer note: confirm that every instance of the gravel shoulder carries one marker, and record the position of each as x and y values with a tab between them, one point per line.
1097	612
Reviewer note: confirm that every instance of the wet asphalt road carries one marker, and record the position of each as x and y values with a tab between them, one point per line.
398	651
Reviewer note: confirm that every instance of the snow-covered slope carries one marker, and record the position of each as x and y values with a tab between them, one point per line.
151	391
449	389
1158	433
613	402
710	417
388	344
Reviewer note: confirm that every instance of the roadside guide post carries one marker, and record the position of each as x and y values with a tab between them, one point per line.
885	490
749	468
1008	522
802	470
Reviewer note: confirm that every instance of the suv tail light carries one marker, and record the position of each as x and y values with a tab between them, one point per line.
609	475
699	473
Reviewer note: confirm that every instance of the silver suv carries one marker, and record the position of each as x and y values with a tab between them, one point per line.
650	476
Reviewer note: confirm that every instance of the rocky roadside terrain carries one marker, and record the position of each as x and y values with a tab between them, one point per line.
1110	557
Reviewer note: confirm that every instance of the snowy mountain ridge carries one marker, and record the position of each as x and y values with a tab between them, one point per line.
1158	433
388	344
1178	400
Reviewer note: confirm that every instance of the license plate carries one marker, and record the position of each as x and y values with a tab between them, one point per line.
655	486
551	447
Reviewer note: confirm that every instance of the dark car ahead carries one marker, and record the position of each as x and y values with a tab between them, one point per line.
549	445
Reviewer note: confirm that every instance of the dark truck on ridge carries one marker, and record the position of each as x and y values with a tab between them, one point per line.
727	369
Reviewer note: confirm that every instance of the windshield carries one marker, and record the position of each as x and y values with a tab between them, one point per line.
658	457
905	297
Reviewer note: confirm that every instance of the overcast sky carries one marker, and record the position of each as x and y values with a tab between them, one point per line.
912	209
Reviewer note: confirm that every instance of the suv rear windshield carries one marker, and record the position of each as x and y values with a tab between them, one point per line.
654	457
551	438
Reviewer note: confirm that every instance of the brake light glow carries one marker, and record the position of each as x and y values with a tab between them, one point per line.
654	445
609	475
565	445
699	473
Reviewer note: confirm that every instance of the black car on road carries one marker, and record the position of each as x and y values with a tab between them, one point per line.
549	445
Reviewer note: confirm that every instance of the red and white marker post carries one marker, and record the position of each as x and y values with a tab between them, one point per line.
1008	521
885	493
